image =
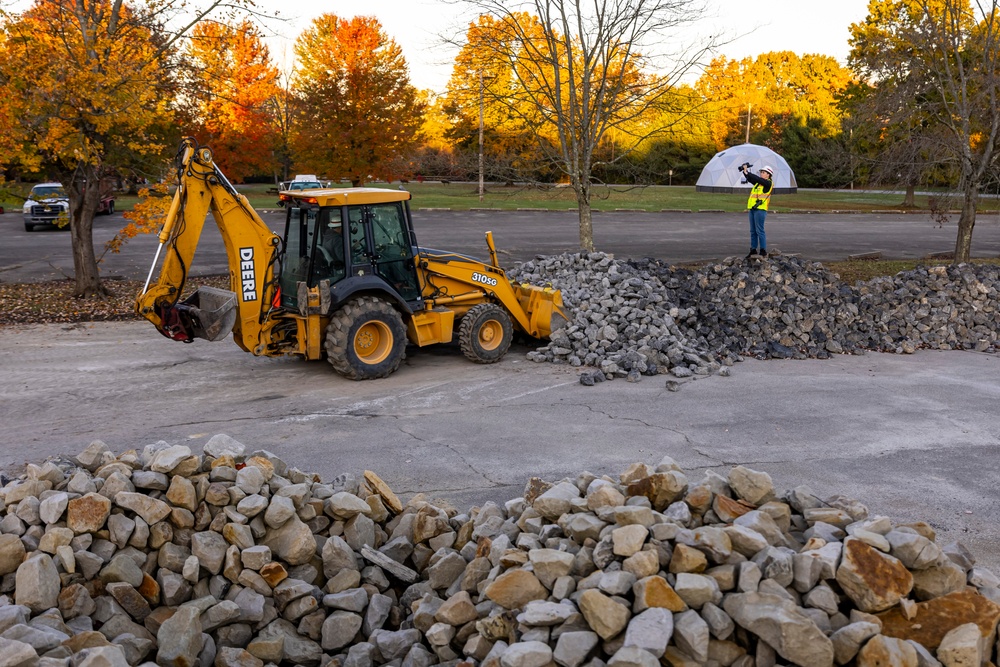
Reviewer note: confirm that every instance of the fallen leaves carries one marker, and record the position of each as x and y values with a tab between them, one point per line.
53	301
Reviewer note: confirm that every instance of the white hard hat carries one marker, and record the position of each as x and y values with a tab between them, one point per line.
768	169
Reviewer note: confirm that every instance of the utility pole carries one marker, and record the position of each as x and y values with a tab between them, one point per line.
749	106
480	136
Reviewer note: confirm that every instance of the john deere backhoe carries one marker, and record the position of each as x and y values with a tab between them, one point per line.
347	281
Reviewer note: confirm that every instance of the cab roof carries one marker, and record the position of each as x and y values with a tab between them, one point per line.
345	196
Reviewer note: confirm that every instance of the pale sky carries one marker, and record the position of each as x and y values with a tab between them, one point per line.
801	26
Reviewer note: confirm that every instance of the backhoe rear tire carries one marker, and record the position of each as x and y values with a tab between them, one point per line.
366	339
485	333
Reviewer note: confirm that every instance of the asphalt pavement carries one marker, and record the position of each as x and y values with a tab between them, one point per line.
520	235
913	437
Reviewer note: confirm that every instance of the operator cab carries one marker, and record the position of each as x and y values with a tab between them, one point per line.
358	239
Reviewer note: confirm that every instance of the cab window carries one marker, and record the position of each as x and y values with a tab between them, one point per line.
300	233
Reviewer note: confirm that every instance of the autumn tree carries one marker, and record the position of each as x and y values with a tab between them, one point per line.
356	112
232	86
90	87
580	70
938	63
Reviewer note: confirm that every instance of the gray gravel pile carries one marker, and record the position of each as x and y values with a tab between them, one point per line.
644	317
231	559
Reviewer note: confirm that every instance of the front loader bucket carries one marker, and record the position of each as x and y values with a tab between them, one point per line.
211	313
543	306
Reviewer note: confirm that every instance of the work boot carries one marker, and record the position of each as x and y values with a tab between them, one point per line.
752	253
763	253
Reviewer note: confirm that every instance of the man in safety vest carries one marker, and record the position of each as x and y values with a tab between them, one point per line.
760	196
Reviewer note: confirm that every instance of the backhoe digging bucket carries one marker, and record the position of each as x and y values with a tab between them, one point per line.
543	306
211	312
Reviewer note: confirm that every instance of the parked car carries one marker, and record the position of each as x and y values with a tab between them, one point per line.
300	182
47	205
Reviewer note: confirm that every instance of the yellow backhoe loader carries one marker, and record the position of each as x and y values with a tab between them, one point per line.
347	281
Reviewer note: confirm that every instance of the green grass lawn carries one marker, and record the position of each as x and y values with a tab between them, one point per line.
465	196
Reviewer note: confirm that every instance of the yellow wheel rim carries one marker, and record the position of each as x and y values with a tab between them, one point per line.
490	335
373	342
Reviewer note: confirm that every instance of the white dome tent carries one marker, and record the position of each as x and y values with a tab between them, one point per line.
720	174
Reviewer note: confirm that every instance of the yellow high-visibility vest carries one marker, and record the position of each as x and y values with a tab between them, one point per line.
757	193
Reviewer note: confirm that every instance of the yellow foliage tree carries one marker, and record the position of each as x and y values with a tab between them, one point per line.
771	87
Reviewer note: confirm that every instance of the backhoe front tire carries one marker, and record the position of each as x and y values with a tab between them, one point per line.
366	339
485	333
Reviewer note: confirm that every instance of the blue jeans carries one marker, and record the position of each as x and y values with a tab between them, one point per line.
757	238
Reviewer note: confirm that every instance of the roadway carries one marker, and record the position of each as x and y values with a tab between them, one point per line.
520	235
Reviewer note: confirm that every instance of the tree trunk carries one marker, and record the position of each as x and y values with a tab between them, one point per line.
586	221
966	221
84	195
909	200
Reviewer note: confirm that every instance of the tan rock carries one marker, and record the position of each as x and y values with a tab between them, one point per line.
628	540
961	647
273	573
515	588
635	472
379	487
605	495
936	618
687	559
550	564
699	499
882	651
150	509
182	494
753	486
873	580
661	488
88	513
654	591
642	564
604	616
728	509
11	553
935	582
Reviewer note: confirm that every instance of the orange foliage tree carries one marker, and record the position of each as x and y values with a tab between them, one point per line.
356	112
90	87
233	85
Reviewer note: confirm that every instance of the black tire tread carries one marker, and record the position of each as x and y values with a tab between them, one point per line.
338	338
468	333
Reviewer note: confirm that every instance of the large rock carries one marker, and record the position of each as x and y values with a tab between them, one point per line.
515	588
37	584
881	651
752	486
11	553
874	581
179	639
150	509
934	619
293	542
604	616
651	630
779	622
88	513
550	564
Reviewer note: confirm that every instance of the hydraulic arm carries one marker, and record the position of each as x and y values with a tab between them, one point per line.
252	250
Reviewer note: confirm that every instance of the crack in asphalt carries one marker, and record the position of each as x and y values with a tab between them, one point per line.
461	457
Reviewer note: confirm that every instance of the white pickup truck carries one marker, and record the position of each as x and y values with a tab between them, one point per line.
48	205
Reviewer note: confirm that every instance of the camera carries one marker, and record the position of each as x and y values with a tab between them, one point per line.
743	167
